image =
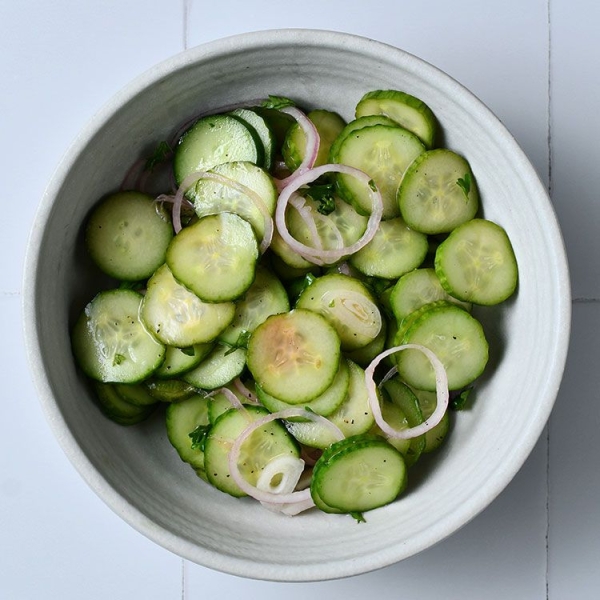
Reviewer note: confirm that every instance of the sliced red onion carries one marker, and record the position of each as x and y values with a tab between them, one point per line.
234	454
233	399
441	389
196	176
311	149
288	467
245	391
315	254
299	203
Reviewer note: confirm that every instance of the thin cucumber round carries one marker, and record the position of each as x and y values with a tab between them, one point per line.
221	366
348	305
182	419
211	197
438	192
265	297
127	235
417	288
177	317
354	126
406	110
215	258
323	405
294	356
328	124
135	393
435	437
384	153
211	141
110	342
265	444
476	263
112	404
455	337
360	476
179	360
258	125
394	250
170	390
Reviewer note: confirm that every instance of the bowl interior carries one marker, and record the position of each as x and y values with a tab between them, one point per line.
136	471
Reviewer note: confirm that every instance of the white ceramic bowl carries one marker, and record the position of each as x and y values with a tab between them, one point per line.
137	473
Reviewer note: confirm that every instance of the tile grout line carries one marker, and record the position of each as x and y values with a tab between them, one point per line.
574	300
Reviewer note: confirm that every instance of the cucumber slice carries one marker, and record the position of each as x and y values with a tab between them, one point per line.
265	297
384	153
438	192
135	393
183	418
362	475
363	356
177	317
416	289
217	405
328	124
215	258
394	250
170	390
127	236
354	126
211	141
347	305
110	342
294	356
259	126
179	360
435	436
322	405
353	416
406	110
220	367
476	263
403	411
265	444
112	404
455	337
211	197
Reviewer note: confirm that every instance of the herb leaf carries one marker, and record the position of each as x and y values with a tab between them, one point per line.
464	183
161	153
277	102
188	350
118	359
324	195
358	516
198	437
459	402
241	342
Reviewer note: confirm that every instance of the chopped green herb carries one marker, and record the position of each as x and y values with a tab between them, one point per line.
198	437
241	342
358	516
324	195
132	285
188	351
161	154
277	102
372	185
464	183
459	402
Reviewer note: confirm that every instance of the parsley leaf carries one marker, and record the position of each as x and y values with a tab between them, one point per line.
198	437
459	402
241	342
188	350
161	153
277	102
358	516
464	183
324	195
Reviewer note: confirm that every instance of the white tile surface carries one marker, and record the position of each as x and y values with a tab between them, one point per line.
575	129
60	61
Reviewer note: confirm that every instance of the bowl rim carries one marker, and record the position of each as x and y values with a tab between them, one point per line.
132	515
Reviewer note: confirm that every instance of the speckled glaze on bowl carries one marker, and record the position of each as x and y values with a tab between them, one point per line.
137	473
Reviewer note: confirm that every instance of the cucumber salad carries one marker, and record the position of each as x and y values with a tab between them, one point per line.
294	295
